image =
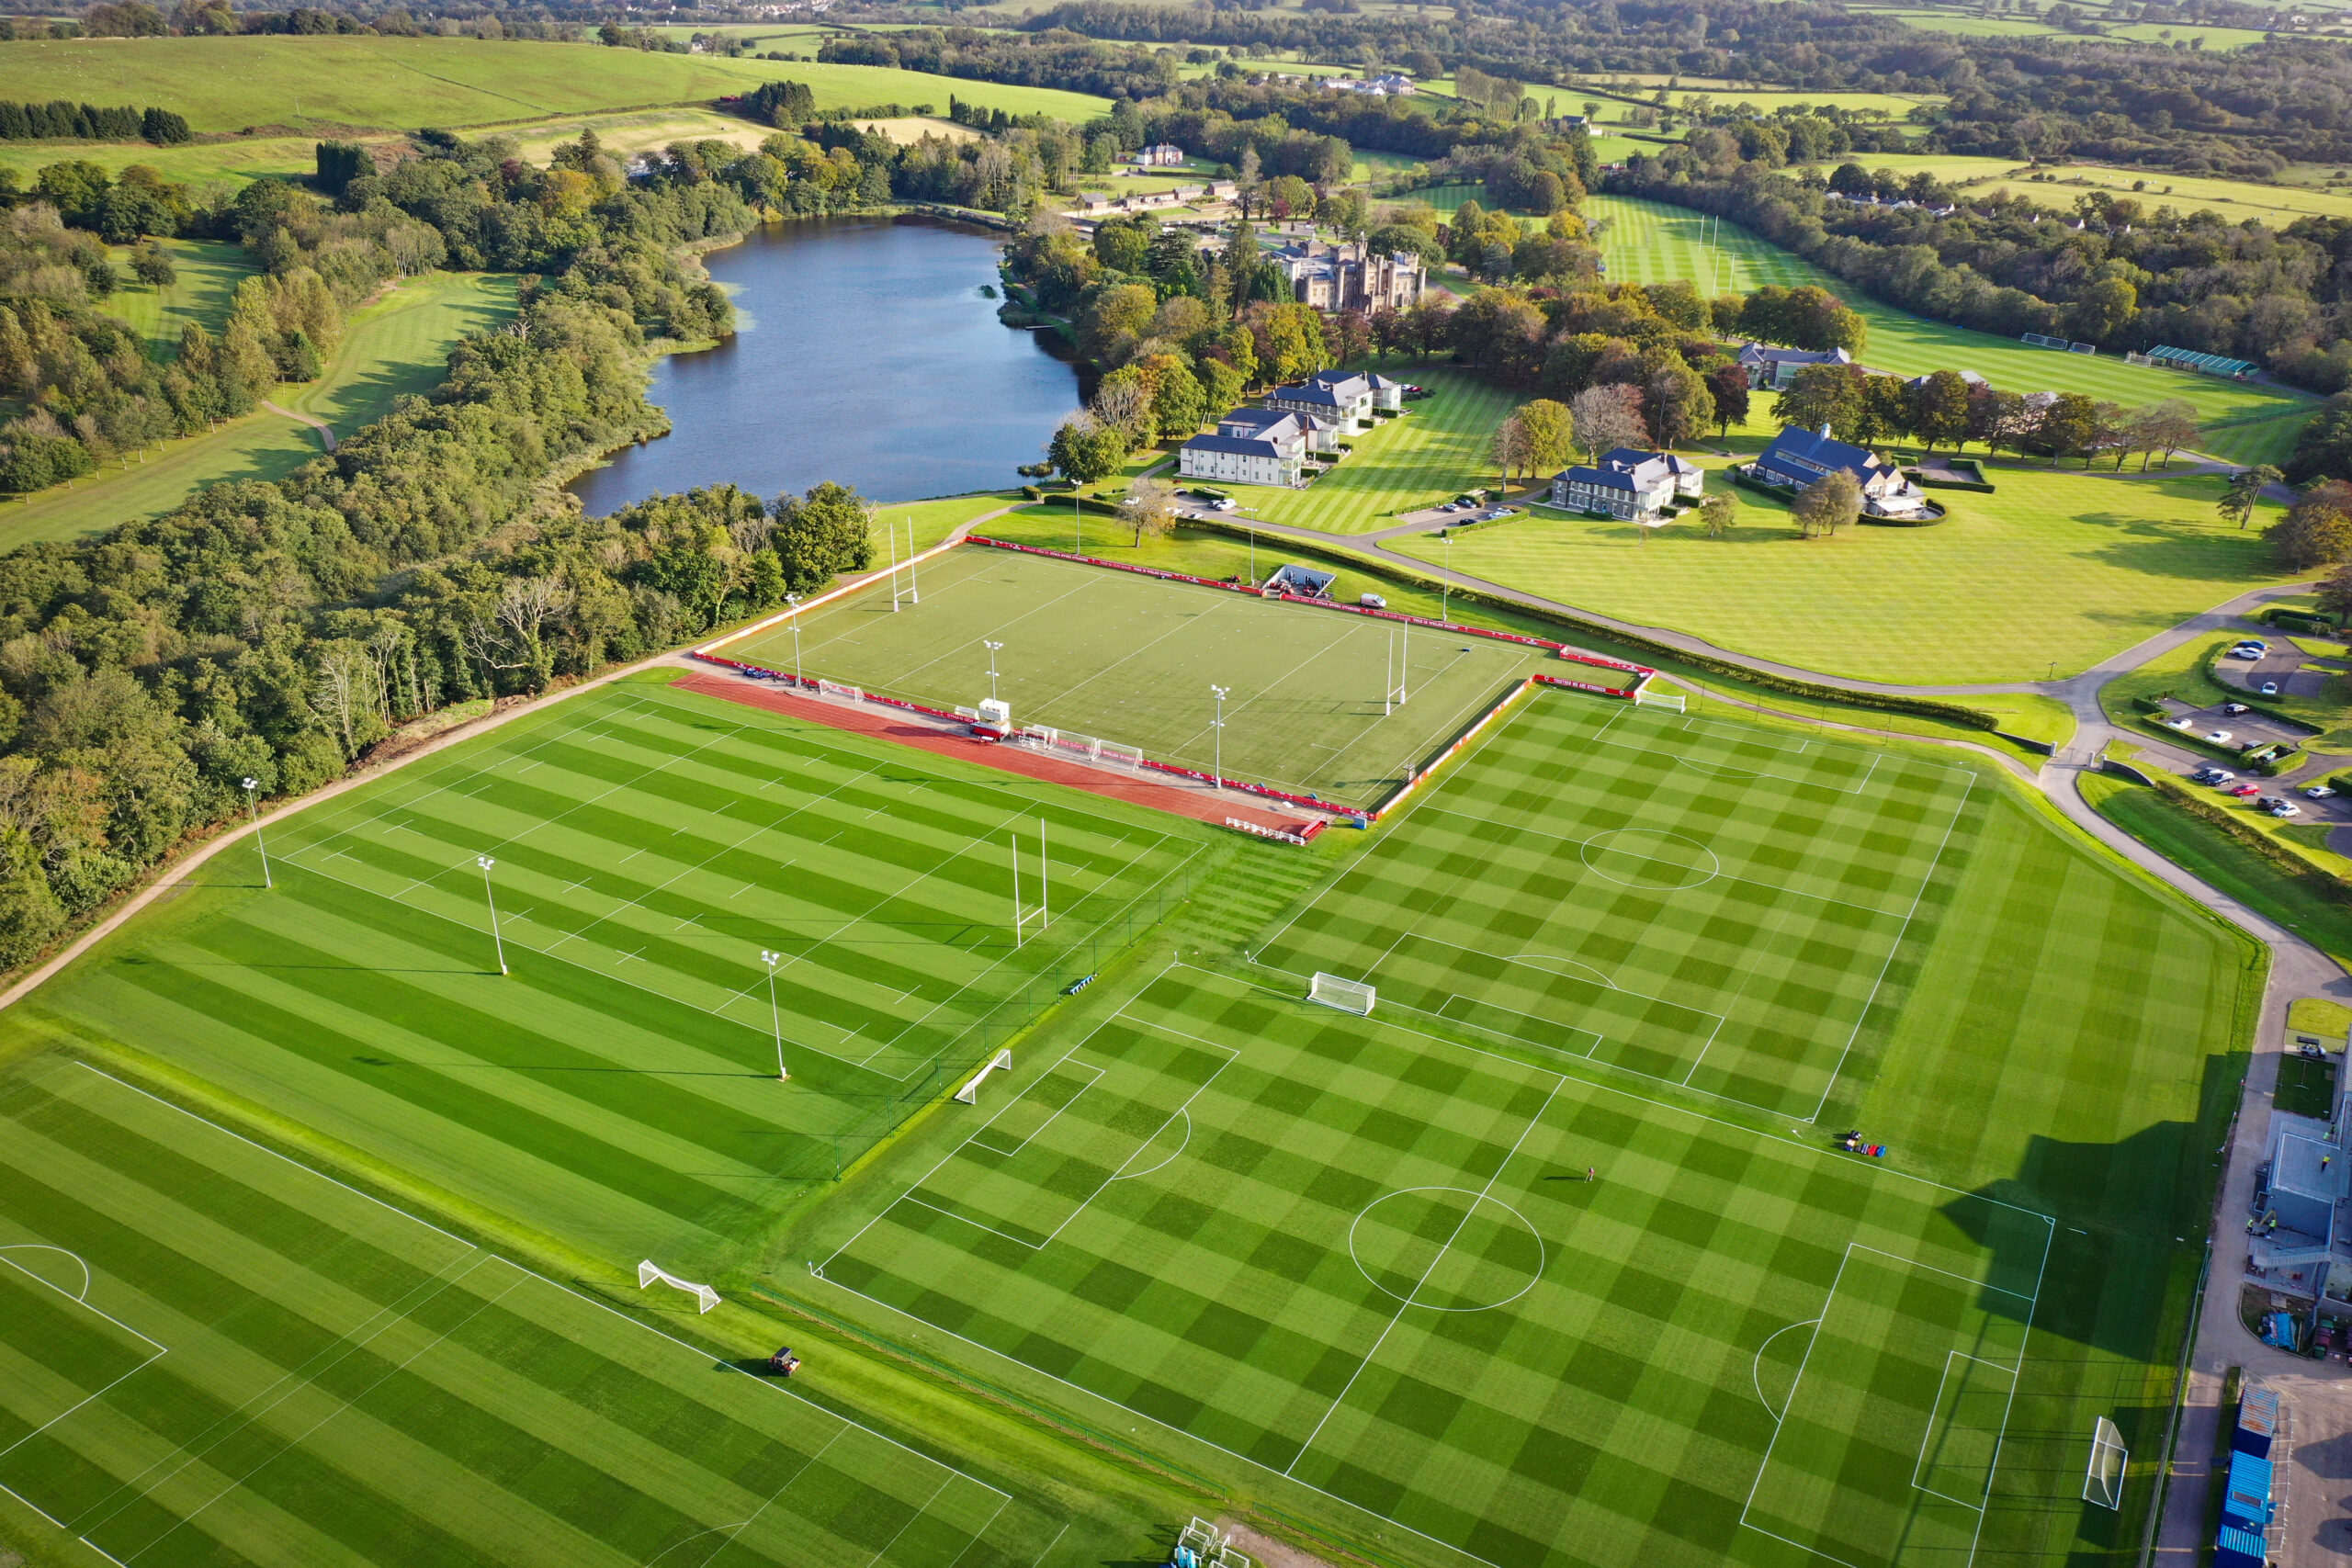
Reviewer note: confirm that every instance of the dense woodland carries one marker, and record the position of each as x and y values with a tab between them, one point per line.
277	631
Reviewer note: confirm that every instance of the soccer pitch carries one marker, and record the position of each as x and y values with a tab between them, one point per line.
1132	659
619	1086
1363	1255
210	1353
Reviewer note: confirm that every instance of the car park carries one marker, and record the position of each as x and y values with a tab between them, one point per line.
2217	737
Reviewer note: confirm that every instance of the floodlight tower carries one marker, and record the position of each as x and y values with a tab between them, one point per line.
254	800
1217	723
1445	586
991	646
496	941
793	601
775	1019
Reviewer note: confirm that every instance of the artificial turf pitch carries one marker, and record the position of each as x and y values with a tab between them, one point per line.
1132	659
1362	1255
211	1354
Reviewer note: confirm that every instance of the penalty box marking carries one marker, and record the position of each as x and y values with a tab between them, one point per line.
82	1303
1038	1241
2025	1323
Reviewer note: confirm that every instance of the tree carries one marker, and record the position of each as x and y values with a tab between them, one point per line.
2313	533
1607	417
2245	490
1728	385
1720	513
151	264
2103	310
1822	396
821	532
1830	502
1511	446
1149	507
2335	593
1551	434
2166	427
1939	410
1123	403
1084	449
2069	424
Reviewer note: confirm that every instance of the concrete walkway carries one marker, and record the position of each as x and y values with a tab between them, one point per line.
327	431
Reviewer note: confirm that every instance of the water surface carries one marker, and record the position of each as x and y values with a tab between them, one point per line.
868	357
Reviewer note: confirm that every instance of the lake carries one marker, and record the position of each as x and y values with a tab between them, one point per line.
865	354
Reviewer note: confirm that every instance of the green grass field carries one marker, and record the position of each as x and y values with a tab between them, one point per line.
211	1353
1650	242
208	275
401	343
1131	659
619	1088
2275	204
321	85
1362	1258
1401	465
2057	567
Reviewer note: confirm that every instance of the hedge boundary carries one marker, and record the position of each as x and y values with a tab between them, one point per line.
2259	843
1920	707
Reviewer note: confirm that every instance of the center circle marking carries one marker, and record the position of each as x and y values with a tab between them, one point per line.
1651	858
1393	1225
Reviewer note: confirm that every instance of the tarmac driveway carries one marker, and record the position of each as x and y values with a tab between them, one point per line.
2284	665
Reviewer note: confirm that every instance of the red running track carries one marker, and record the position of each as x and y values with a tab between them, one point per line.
1194	802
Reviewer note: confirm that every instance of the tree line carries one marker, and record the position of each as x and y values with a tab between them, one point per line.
61	122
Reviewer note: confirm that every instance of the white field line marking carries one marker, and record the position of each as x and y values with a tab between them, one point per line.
1892	948
980	1136
1437	1258
944	1482
1919	1465
1755	1373
161	1351
191	1452
1124	1174
80	1262
1452	997
1456	773
297	1440
699	1352
35	1508
102	1552
737	1527
1993	1466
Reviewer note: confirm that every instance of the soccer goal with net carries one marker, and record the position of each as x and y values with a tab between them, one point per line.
2103	1481
649	1273
1347	996
1644	697
970	1093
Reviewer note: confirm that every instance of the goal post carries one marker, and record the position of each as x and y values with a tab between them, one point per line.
1347	996
970	1093
1646	698
2103	1479
649	1273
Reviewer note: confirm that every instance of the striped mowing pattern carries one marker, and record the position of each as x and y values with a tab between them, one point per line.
1427	455
1367	1260
212	1354
620	1085
1700	903
1649	241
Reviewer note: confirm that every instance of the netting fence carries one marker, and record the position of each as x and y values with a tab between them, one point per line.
1051	964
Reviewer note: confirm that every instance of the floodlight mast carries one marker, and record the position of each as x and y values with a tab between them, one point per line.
253	800
1217	723
991	646
775	1019
497	941
793	601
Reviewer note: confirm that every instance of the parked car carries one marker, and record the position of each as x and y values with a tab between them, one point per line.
2221	778
2286	808
2320	792
2245	792
2233	709
1372	602
2271	688
2219	738
2180	724
1224	504
2256	643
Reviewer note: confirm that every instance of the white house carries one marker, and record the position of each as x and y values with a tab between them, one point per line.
1330	394
1254	446
1162	156
1630	484
1797	457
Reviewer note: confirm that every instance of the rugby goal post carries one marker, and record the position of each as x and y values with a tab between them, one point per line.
2103	1480
651	1273
970	1093
1347	996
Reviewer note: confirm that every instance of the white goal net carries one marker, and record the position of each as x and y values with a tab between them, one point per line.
835	689
2103	1482
1347	996
651	1273
970	1093
1644	697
